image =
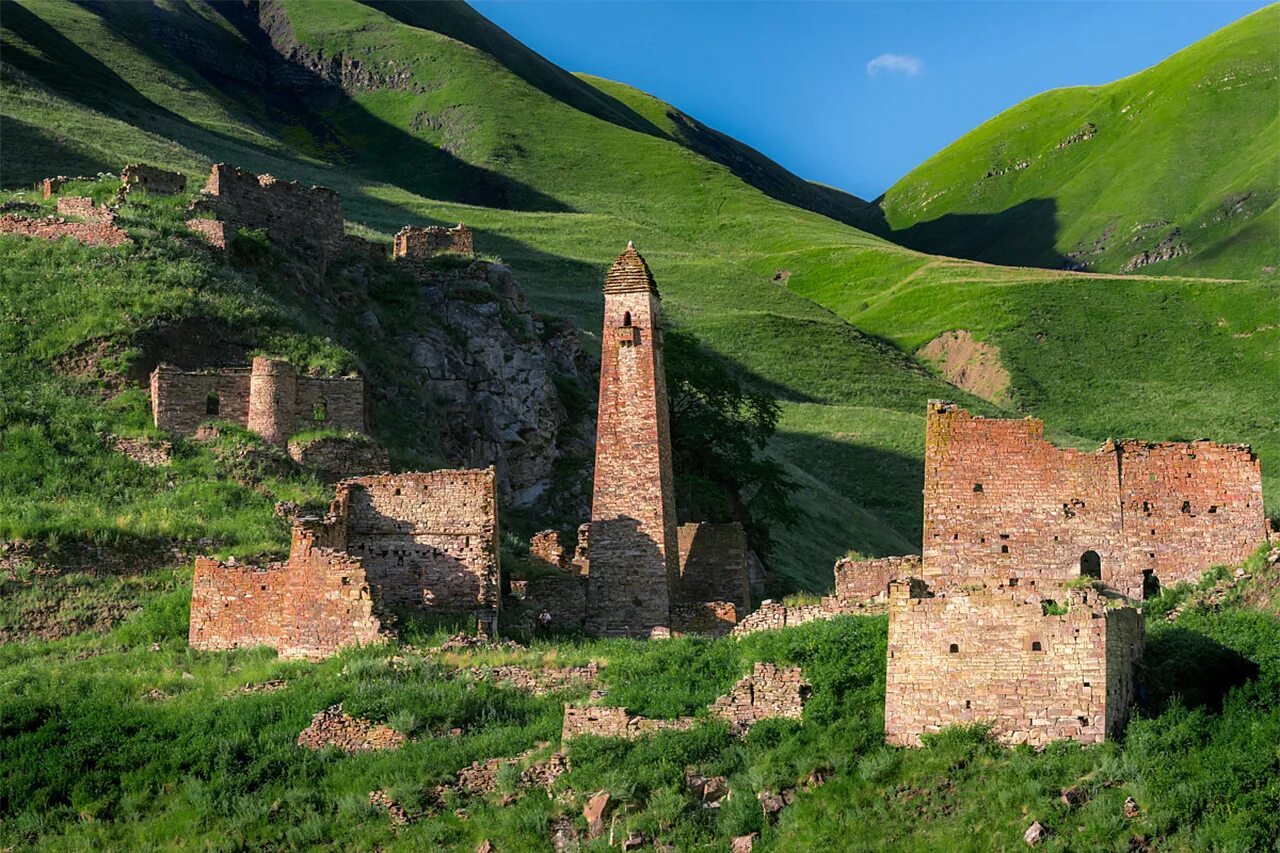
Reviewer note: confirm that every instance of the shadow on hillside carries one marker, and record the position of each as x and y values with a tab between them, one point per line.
1022	235
27	151
289	99
1195	670
459	21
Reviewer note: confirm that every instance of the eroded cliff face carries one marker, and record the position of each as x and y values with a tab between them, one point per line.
493	365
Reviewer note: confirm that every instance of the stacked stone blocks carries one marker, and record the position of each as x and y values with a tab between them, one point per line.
997	656
413	243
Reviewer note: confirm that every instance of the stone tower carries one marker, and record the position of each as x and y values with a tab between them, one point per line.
273	390
632	540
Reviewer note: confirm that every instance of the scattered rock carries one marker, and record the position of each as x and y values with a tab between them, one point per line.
1074	796
380	799
331	727
968	364
594	812
710	790
485	847
154	453
1131	809
1035	833
744	843
564	835
771	803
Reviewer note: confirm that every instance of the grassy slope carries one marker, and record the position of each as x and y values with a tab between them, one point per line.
1176	146
131	740
574	187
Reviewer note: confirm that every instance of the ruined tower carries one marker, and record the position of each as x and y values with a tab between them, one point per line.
273	387
632	540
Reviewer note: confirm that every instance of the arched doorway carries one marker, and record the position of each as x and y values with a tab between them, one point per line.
1091	565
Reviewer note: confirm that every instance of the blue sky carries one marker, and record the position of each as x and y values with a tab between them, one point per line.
855	94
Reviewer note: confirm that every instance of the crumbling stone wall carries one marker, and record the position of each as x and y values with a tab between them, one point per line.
99	232
83	207
992	655
769	691
336	458
309	606
422	243
149	178
712	618
868	580
269	398
293	215
427	540
633	540
563	595
713	566
1002	502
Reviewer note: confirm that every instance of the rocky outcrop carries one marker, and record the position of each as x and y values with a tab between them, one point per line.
492	364
1166	250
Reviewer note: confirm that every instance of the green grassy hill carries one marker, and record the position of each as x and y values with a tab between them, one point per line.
1178	162
425	113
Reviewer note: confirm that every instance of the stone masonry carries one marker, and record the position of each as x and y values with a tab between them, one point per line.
713	566
769	691
269	398
1002	502
294	216
994	656
140	176
427	540
421	243
309	606
633	540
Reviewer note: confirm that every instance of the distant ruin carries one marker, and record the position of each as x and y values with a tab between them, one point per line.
140	176
426	541
293	215
269	398
1002	502
413	243
999	657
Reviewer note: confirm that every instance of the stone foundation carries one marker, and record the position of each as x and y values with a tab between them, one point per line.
97	233
769	691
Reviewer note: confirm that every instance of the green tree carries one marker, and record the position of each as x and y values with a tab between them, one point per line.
718	434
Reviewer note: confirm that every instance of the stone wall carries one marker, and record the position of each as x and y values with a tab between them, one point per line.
769	691
97	233
712	618
294	216
143	177
269	398
336	458
633	540
306	607
83	207
993	656
868	580
422	243
427	540
1002	502
713	566
563	595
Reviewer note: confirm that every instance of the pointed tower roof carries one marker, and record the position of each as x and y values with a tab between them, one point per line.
629	274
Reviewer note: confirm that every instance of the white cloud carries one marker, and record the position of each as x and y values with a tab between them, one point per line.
908	65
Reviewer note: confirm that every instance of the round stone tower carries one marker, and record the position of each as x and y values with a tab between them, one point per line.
273	393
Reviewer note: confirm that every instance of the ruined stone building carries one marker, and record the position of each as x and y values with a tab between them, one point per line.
310	606
308	219
415	243
426	541
1002	502
633	541
269	398
997	656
